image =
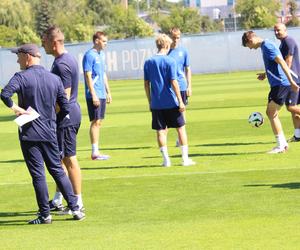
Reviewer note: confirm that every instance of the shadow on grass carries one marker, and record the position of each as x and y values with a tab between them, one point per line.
12	161
212	154
111	149
7	118
122	167
291	185
233	144
15	214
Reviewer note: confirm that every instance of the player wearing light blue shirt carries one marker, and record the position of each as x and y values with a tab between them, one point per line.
284	90
97	90
164	99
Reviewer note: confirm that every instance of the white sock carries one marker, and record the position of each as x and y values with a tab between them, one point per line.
79	200
185	152
297	132
57	199
164	152
95	149
281	141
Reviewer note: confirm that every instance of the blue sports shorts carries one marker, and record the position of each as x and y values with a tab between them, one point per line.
66	137
96	113
167	118
283	95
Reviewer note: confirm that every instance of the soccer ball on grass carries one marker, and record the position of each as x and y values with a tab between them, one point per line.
256	119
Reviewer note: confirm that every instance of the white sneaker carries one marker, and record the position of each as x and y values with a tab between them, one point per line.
188	162
278	150
166	163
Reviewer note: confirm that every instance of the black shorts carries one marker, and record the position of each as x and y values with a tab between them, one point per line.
184	97
66	138
96	113
283	95
163	118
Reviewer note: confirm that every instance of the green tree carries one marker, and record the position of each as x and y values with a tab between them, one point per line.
257	13
187	19
27	35
16	13
101	10
43	18
294	21
7	36
126	24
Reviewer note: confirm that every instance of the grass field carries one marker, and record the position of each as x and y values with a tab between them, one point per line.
236	197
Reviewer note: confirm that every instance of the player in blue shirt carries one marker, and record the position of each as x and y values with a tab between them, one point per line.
290	53
284	89
184	74
66	67
41	90
97	91
164	99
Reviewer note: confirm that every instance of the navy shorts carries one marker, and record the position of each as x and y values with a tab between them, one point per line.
283	95
66	138
96	113
163	118
184	97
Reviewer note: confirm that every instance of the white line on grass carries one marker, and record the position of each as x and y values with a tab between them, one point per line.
164	174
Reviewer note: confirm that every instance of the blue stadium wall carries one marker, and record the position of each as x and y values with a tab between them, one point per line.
212	53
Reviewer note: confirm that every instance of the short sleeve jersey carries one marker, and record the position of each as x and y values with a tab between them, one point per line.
66	67
182	59
37	88
287	47
159	70
275	73
94	62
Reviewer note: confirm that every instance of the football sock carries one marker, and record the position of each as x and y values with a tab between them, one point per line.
164	152
184	152
297	132
95	149
281	141
57	199
79	201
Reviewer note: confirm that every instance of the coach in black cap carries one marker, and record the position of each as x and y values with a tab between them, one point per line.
41	90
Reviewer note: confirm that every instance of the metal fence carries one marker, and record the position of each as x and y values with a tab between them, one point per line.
212	53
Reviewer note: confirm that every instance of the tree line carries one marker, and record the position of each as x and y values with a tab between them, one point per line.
23	21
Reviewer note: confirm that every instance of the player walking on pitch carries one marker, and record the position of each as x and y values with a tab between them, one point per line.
284	90
164	99
184	74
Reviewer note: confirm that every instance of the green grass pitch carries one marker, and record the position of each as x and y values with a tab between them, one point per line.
236	197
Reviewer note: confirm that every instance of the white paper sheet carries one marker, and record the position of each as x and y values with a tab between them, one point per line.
25	118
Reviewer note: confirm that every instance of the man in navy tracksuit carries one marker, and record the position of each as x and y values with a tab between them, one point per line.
41	90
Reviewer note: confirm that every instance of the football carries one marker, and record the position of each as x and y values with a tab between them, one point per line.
256	119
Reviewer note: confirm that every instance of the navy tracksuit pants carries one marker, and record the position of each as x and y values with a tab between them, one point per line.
35	154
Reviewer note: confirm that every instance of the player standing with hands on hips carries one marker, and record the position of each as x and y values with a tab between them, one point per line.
164	99
41	90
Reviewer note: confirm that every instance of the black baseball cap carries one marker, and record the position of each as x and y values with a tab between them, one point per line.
28	48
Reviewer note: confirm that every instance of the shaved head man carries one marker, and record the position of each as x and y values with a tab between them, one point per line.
290	53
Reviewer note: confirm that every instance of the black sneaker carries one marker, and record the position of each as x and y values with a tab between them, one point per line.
53	207
41	220
78	215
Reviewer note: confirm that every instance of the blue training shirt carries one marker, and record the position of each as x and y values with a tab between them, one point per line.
275	73
38	88
66	67
182	59
159	70
94	61
287	47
